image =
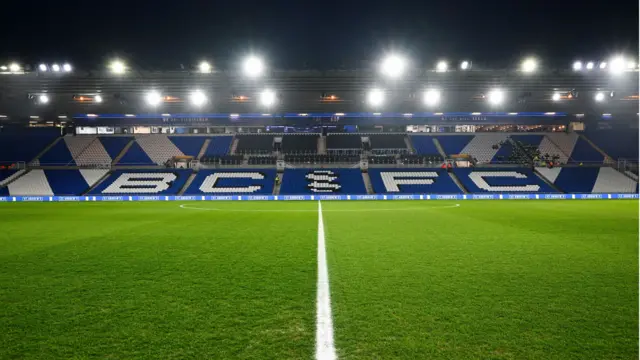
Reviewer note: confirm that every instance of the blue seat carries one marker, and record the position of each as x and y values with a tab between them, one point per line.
229	182
143	182
322	182
502	180
416	181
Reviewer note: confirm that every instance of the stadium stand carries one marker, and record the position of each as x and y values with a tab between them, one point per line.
388	143
502	180
300	144
188	145
229	182
58	154
135	156
425	160
73	182
218	146
424	145
322	182
6	176
617	143
454	144
412	181
114	144
222	160
33	183
584	152
321	159
87	150
589	180
262	160
16	146
143	182
344	143
255	144
382	160
483	147
159	148
558	144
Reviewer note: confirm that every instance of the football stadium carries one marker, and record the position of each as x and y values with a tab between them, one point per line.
257	213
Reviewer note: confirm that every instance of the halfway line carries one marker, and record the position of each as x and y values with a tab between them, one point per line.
325	348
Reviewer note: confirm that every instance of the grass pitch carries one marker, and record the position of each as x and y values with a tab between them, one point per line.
409	280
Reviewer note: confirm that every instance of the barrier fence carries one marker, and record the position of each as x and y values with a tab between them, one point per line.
319	197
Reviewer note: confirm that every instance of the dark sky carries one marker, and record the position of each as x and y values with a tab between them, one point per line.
315	34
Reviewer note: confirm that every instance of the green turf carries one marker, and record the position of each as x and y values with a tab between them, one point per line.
409	280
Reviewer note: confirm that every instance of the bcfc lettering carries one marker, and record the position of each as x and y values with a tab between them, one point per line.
323	181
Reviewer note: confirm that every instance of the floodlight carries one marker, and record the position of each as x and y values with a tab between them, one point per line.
43	99
590	65
153	98
198	98
253	66
117	67
465	65
603	65
267	98
97	98
442	66
66	67
599	96
43	67
616	65
431	97
577	66
14	67
3	68
555	97
205	67
393	66
529	65
55	67
495	97
375	97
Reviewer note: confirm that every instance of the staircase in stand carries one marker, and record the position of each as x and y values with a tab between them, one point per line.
124	151
276	187
457	181
407	141
36	160
204	148
234	146
439	147
102	179
367	182
187	184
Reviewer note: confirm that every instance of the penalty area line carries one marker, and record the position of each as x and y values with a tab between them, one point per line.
325	348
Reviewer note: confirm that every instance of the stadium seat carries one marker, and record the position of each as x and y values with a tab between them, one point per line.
322	182
143	182
230	182
502	180
158	147
219	146
453	144
412	181
424	145
188	145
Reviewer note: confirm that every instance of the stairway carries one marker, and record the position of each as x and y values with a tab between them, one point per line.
203	149
457	181
367	182
549	176
13	177
607	159
322	145
276	187
234	146
124	151
439	147
407	141
188	183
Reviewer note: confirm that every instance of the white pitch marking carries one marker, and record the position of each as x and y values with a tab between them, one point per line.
325	348
186	206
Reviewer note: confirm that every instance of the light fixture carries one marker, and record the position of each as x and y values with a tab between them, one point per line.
590	65
375	97
43	99
14	67
617	65
66	67
465	65
97	99
117	67
529	65
267	98
205	67
495	97
556	96
393	66
42	67
431	97
3	68
253	66
153	98
603	65
55	67
441	66
198	98
577	66
599	97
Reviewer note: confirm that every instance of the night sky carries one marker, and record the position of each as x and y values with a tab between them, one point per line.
315	34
